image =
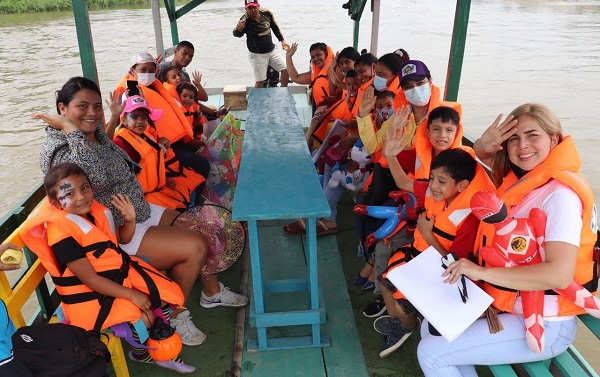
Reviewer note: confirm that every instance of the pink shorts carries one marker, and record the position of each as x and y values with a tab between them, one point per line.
156	213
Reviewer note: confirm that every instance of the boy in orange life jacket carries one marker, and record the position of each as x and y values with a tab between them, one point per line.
442	131
81	243
453	180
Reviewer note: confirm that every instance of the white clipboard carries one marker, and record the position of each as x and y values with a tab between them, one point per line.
421	282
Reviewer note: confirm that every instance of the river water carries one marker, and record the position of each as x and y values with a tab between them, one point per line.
517	51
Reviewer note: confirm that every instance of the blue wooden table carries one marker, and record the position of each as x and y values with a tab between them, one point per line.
277	180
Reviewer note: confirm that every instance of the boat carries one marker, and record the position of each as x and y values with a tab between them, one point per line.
225	337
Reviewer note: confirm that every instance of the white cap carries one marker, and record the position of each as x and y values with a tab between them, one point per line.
142	57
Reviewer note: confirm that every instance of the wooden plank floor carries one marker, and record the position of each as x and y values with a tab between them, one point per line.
283	257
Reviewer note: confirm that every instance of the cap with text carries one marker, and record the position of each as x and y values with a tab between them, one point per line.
251	3
414	70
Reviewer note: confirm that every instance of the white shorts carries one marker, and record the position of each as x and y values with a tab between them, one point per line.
260	62
156	213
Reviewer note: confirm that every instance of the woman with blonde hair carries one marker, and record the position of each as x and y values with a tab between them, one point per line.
535	166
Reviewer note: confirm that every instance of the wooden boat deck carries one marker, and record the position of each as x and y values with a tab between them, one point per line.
344	356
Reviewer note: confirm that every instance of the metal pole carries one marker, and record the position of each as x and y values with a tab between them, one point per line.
376	8
457	49
158	36
84	40
170	5
356	13
356	33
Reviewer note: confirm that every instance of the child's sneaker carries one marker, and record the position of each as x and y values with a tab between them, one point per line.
224	298
368	286
180	366
189	333
360	280
395	333
375	309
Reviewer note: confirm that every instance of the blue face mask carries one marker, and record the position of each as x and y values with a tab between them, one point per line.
380	83
419	96
385	114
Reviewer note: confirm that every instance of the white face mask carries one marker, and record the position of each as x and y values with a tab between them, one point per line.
380	83
419	96
146	79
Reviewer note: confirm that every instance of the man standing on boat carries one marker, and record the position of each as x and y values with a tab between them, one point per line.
257	24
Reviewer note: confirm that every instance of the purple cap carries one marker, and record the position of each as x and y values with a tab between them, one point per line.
413	70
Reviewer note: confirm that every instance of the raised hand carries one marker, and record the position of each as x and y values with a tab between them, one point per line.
367	102
197	79
123	204
241	25
292	49
113	104
401	119
56	121
393	143
492	139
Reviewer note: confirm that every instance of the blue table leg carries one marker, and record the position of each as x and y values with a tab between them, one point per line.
257	280
313	276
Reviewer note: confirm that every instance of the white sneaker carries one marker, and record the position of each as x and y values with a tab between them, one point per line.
224	298
189	333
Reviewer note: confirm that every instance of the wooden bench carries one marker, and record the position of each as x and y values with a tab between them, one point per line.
277	180
34	281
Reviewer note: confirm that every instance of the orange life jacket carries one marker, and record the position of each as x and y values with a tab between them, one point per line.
447	220
319	81
165	181
359	94
563	164
173	124
82	306
338	110
172	90
423	146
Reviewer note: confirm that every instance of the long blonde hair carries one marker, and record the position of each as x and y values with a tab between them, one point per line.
547	120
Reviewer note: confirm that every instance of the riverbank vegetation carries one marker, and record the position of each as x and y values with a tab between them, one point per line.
24	6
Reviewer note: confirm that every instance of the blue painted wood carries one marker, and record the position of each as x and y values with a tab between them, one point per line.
292	318
277	180
290	285
291	342
344	356
502	370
